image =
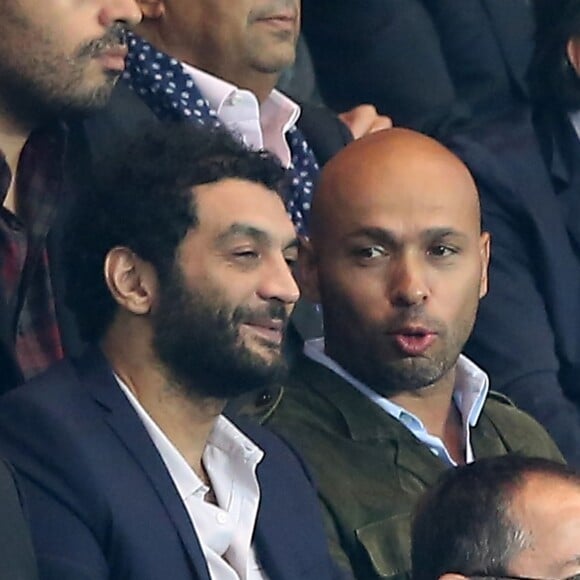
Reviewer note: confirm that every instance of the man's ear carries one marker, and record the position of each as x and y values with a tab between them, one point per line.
132	282
152	9
573	52
484	254
307	271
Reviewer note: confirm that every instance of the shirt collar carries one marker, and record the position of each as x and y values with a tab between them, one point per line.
217	91
470	391
276	115
224	436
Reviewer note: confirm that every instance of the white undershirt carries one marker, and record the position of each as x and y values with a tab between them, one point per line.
259	126
574	117
224	530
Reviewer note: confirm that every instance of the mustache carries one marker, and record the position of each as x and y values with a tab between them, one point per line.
115	36
273	310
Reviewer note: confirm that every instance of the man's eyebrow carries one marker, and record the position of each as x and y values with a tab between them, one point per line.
379	234
244	230
572	561
248	231
292	244
443	232
389	237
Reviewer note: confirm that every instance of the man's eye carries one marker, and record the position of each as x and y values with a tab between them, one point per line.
246	255
291	260
370	252
442	251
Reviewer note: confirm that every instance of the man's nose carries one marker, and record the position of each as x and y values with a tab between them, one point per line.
407	282
126	11
278	282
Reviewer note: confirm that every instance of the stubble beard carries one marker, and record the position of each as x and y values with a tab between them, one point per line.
46	84
392	373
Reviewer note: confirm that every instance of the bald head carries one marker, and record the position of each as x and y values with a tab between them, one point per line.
396	163
397	260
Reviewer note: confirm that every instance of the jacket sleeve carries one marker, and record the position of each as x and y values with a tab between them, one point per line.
16	552
66	548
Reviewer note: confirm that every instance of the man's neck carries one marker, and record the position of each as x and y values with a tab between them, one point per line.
12	140
435	408
187	422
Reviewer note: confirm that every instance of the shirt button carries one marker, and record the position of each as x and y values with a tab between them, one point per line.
263	398
222	518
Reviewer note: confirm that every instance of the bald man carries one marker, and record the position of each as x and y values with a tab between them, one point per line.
386	402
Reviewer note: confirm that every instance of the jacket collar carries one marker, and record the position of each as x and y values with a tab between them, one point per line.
366	422
559	144
96	375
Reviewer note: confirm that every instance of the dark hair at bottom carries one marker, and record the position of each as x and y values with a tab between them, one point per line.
463	523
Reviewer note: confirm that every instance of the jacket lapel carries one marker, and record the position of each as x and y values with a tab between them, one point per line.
568	183
368	422
487	440
121	417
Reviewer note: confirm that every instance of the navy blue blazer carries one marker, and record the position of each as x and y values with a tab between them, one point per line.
102	504
527	333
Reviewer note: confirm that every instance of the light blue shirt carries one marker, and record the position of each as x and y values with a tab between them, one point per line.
470	392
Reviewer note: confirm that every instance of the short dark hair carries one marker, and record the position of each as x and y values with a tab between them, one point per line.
552	79
462	525
143	200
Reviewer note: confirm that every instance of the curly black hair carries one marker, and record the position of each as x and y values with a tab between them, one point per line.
143	200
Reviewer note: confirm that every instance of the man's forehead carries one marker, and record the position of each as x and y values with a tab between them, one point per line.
402	214
396	172
258	232
236	207
239	193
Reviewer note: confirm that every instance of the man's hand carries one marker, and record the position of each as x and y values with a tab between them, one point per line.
363	120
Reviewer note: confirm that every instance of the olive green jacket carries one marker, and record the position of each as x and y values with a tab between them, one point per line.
371	470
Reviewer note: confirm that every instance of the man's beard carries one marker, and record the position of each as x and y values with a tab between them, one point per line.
197	339
52	85
381	368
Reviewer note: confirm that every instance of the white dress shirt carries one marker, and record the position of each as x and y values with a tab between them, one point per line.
470	392
224	530
259	126
575	120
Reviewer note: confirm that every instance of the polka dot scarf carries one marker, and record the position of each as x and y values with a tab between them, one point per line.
160	81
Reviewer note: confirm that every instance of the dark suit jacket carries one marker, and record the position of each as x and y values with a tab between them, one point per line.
527	333
429	64
372	471
17	561
102	503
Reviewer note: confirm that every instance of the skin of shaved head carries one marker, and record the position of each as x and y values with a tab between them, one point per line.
381	158
397	259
